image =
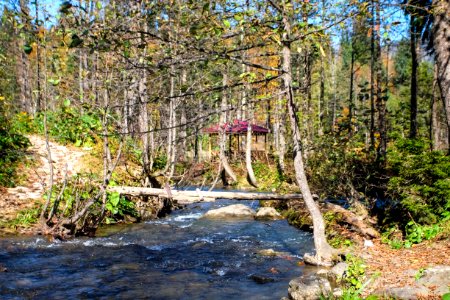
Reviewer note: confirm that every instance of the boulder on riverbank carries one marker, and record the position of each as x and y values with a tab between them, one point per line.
267	213
240	211
309	287
318	285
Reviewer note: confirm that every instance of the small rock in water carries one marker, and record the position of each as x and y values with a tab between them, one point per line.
261	279
3	269
271	252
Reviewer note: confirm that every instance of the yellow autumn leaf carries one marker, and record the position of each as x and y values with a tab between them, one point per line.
322	51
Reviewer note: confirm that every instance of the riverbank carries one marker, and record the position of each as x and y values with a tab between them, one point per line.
20	205
389	269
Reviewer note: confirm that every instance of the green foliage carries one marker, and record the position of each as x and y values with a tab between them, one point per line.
118	206
12	146
23	123
446	296
26	218
338	166
78	190
356	272
420	181
419	274
414	234
402	62
337	241
83	188
354	279
268	177
299	218
69	125
160	162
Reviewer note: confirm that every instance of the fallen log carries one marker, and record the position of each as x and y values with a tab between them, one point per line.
356	222
180	194
188	200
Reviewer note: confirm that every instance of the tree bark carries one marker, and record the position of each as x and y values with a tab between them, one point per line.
38	63
248	151
438	127
350	98
23	68
223	134
279	134
372	78
414	66
381	149
139	191
324	252
183	119
171	145
441	43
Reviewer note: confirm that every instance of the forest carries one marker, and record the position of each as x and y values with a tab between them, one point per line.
342	101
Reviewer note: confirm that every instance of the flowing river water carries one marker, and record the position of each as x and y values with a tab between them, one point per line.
182	256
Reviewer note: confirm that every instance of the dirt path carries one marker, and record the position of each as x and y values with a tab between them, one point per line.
36	171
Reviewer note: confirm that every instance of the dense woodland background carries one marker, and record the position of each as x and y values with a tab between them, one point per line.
358	89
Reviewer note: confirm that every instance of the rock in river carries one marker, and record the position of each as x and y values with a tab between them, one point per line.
231	211
267	213
261	279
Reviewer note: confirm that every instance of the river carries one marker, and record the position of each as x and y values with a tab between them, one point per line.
182	256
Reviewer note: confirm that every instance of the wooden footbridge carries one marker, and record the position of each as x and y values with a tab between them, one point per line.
191	196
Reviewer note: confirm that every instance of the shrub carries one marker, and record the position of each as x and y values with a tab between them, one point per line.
69	125
268	177
339	168
420	181
12	146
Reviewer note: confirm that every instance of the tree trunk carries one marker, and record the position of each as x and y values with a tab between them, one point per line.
381	149
438	129
350	98
172	135
38	63
321	103
183	119
248	111
223	133
414	66
372	78
144	123
140	191
441	43
279	134
324	252
334	103
23	67
248	150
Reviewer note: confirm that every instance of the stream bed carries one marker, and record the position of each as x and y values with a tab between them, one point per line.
182	256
